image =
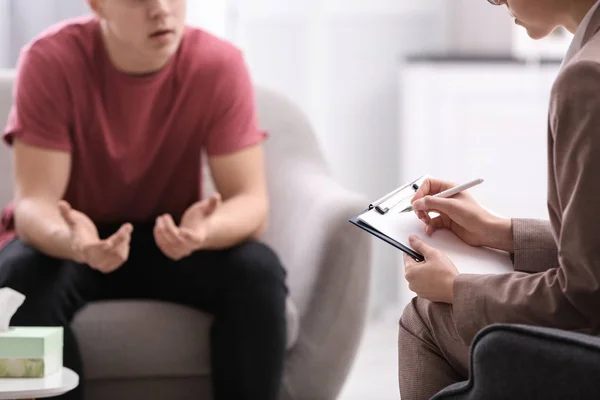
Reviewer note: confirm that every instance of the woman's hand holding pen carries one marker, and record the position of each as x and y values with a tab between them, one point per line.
433	279
462	215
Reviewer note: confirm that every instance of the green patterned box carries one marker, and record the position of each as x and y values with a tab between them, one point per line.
30	352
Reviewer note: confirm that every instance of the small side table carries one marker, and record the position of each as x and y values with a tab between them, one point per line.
36	388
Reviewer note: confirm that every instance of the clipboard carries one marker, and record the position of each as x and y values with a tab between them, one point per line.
416	256
387	220
399	196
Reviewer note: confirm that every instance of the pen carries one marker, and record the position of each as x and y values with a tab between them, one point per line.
451	192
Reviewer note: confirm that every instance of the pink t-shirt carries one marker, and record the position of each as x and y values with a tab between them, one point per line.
135	142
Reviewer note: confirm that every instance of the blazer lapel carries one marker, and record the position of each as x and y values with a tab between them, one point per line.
593	27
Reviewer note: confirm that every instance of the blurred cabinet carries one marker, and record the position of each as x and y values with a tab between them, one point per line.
464	119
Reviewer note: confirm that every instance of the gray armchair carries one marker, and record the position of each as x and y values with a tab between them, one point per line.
511	361
155	350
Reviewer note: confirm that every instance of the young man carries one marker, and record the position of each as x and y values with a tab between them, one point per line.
111	114
557	262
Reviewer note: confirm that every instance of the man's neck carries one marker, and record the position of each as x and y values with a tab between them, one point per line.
126	59
576	12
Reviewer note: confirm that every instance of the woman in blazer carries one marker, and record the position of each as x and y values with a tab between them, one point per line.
556	278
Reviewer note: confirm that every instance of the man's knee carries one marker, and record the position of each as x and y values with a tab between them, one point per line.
31	273
256	263
20	266
257	278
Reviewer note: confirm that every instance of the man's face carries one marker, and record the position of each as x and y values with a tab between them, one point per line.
151	27
538	17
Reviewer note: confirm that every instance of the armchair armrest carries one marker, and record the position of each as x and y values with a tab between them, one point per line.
518	361
327	259
328	262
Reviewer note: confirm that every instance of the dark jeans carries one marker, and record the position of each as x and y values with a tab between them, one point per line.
242	287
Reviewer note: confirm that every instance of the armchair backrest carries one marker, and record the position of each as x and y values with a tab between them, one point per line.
293	160
292	139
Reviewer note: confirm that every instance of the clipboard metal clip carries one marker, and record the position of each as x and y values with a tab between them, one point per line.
397	196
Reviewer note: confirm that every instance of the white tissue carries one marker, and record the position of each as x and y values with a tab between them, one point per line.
10	301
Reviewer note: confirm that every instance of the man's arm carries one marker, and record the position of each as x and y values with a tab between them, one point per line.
38	129
535	248
41	178
566	297
240	180
235	158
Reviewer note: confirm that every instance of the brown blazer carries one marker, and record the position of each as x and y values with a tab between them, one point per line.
556	282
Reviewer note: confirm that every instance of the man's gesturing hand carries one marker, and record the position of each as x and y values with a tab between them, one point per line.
103	255
177	242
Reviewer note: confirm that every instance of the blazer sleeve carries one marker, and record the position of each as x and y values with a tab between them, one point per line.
568	296
535	245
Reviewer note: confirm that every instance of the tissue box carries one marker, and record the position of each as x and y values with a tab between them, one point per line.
30	352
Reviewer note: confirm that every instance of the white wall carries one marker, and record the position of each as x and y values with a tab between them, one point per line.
4	31
211	15
25	24
475	26
64	9
339	61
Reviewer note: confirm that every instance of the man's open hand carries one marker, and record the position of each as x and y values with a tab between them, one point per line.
103	255
177	242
